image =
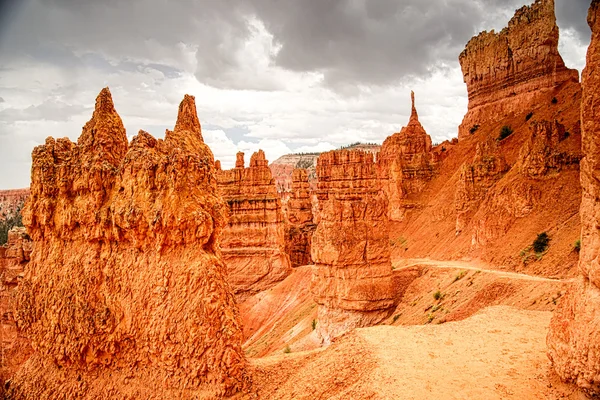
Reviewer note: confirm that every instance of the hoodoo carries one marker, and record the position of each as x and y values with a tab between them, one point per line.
406	164
300	227
514	69
126	295
574	336
352	276
253	241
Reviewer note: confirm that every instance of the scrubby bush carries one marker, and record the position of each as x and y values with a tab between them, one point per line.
540	244
505	132
287	349
474	129
314	324
437	295
554	100
528	117
8	223
577	245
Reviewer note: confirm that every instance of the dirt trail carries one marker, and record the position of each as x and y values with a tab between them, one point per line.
499	353
472	266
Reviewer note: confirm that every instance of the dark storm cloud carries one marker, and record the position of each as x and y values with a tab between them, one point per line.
356	42
573	14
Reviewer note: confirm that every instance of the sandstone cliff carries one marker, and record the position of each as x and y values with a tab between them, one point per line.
574	336
126	295
406	164
11	201
300	226
352	276
507	72
253	242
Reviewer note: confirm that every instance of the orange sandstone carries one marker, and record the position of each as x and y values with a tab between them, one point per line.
300	226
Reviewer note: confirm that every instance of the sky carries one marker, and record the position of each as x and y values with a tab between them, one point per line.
285	76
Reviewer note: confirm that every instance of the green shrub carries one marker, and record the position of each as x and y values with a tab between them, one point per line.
505	132
438	295
287	349
459	276
474	129
314	324
10	222
396	317
577	245
540	244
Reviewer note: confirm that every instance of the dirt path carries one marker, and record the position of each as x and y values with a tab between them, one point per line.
472	266
499	353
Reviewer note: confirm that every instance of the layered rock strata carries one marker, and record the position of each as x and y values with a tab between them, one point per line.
126	295
253	242
574	335
507	72
476	178
300	226
11	202
351	280
406	164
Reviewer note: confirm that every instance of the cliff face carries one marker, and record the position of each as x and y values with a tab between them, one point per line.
476	179
574	336
406	164
14	347
126	295
253	241
11	201
351	280
300	226
507	72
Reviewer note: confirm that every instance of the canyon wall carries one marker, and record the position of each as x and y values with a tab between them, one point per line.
508	71
253	242
406	164
300	226
352	275
126	295
11	201
574	336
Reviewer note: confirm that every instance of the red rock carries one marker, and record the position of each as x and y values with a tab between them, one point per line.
352	276
511	71
126	295
476	179
574	335
406	164
253	242
300	226
11	201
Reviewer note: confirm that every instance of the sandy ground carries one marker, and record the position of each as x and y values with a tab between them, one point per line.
499	353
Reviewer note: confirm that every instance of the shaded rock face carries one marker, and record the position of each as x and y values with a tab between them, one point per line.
300	226
574	335
506	71
352	275
253	242
14	347
406	164
476	179
126	295
542	153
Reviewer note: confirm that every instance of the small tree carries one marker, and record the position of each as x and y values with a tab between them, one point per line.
505	132
540	244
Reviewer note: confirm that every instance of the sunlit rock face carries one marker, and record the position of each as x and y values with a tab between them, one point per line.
126	293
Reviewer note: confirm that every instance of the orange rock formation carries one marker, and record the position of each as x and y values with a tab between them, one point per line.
11	201
574	336
300	226
352	276
253	242
406	164
14	348
126	295
509	71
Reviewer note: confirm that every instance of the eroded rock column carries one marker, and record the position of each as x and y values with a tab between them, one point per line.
300	227
351	280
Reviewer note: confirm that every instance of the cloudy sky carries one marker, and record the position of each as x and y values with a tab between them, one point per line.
281	75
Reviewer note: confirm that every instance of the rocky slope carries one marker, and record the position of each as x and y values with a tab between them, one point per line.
125	295
299	225
253	242
574	337
513	177
406	164
513	69
11	201
352	274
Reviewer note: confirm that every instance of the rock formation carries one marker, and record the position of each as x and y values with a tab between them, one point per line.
574	336
253	242
11	201
126	294
476	179
352	274
406	163
300	226
506	72
542	154
14	348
